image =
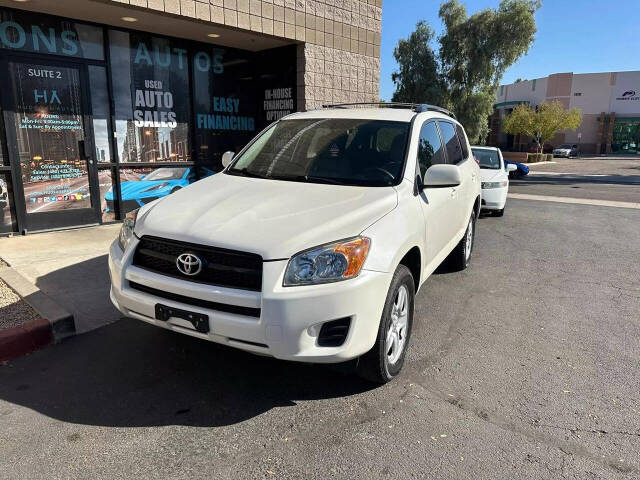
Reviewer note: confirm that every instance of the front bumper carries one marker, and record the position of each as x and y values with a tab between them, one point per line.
494	198
290	317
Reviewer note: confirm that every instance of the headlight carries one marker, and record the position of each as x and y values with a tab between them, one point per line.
495	184
155	187
126	231
328	263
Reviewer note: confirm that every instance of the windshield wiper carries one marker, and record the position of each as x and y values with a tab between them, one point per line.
246	173
313	179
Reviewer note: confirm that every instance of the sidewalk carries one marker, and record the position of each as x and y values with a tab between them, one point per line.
69	266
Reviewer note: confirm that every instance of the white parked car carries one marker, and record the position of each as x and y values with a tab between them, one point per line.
494	176
312	242
567	150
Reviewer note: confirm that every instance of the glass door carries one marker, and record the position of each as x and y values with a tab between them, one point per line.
51	144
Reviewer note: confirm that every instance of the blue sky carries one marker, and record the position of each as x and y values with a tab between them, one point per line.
580	36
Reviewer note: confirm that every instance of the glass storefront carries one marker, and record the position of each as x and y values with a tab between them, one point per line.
99	121
626	137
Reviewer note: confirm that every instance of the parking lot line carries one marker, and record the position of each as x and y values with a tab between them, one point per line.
581	201
532	172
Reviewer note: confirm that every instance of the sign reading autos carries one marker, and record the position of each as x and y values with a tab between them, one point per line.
626	93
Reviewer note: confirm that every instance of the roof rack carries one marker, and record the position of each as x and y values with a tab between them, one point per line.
416	107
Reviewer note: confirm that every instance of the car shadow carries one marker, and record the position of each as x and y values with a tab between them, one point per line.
131	374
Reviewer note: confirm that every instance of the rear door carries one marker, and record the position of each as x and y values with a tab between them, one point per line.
457	155
436	203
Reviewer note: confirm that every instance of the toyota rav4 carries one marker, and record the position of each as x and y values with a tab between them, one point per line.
311	244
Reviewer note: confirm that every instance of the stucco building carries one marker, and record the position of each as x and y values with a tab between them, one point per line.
610	104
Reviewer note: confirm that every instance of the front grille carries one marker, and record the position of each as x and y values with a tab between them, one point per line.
197	302
334	333
221	267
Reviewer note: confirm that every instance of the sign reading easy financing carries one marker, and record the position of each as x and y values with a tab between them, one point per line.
625	97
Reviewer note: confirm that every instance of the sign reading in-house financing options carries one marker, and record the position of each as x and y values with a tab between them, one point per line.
49	125
278	102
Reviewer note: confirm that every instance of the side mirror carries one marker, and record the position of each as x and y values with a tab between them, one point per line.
441	176
511	167
226	158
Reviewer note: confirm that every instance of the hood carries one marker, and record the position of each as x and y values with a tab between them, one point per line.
487	175
272	218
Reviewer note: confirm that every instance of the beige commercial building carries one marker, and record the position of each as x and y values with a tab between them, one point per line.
110	104
610	104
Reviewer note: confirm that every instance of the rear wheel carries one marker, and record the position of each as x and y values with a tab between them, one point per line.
385	360
459	258
499	213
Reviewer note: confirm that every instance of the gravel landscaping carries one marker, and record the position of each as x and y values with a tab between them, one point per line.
13	310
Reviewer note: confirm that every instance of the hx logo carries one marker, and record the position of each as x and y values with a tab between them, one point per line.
629	93
47	97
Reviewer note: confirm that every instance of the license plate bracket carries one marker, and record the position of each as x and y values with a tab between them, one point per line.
200	321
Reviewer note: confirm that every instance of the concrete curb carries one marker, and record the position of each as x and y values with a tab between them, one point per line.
18	341
56	324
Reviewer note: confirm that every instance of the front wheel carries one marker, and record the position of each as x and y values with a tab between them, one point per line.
385	360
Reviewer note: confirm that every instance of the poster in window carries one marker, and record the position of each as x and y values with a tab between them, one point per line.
151	94
49	130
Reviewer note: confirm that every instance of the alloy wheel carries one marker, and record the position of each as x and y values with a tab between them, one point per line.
397	332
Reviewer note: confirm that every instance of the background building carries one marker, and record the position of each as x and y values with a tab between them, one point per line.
101	96
610	104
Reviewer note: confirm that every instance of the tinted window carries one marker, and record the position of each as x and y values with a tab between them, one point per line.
463	141
430	148
454	151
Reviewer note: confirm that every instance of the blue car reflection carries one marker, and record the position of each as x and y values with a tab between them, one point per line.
158	183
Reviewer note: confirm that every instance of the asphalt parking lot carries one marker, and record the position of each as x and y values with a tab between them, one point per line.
523	366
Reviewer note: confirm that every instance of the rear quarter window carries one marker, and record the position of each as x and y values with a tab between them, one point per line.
463	140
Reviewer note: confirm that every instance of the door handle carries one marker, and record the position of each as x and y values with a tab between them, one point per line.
454	194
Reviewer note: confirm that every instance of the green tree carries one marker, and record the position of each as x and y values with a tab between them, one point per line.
474	53
542	123
417	79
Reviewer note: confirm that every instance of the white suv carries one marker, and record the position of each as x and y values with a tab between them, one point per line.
311	243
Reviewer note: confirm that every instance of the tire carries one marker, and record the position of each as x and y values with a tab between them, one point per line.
385	360
175	189
460	257
499	213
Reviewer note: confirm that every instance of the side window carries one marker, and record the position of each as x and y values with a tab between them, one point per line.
462	137
430	151
454	151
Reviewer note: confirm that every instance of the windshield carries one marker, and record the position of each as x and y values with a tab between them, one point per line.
326	150
166	174
487	158
565	146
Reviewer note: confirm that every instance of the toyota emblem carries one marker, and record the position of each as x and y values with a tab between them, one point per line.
189	264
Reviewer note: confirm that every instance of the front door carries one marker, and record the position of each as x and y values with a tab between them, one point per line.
50	143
